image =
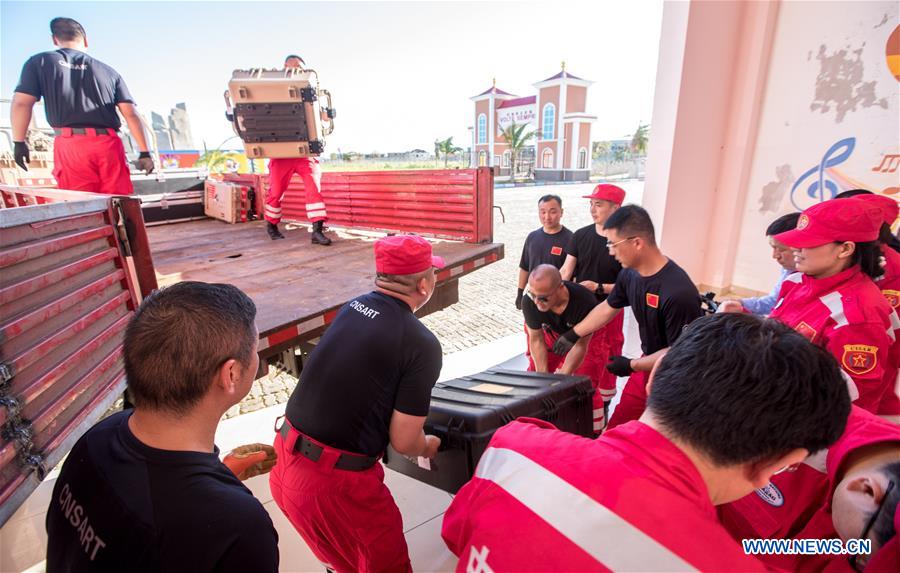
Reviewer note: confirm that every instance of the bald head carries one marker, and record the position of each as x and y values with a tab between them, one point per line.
546	274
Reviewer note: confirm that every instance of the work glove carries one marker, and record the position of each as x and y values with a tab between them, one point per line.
144	162
250	460
21	153
620	365
519	296
565	342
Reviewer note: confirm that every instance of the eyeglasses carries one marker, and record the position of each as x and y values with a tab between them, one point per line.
613	245
541	298
854	559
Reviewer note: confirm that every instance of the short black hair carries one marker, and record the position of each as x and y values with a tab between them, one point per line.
741	388
66	29
292	56
632	220
550	197
179	338
783	224
883	528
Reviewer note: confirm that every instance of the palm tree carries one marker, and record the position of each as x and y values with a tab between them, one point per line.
446	148
639	139
517	139
215	160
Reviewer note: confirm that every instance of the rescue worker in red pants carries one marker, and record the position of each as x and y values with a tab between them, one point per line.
281	169
642	496
81	95
662	296
832	299
841	488
590	264
367	383
552	307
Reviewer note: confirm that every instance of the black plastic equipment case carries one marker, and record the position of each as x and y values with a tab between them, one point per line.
465	413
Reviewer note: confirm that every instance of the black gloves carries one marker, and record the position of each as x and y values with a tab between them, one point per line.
620	365
144	162
565	342
519	299
21	154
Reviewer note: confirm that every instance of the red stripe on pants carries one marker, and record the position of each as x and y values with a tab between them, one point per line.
633	402
348	519
280	172
94	163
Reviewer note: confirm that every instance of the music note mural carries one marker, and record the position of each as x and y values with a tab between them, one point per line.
822	182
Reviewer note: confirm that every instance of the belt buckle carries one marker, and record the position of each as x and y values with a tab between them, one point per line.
277	427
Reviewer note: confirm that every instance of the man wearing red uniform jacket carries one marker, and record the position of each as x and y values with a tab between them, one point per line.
590	264
843	488
281	169
81	95
642	497
833	300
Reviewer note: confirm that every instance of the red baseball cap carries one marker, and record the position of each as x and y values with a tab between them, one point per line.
404	255
830	221
607	192
888	206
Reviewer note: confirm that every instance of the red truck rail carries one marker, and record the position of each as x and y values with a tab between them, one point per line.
452	204
66	295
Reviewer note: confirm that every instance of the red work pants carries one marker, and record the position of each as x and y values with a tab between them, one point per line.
91	162
348	519
280	172
606	342
633	402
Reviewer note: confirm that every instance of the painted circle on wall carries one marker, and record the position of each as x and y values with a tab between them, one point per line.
892	52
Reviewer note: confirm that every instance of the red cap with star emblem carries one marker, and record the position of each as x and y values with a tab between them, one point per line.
888	206
607	192
831	221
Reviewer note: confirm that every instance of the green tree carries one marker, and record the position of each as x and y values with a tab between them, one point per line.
639	139
215	161
600	149
446	148
517	136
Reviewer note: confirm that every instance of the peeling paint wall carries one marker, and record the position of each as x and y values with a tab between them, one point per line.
829	119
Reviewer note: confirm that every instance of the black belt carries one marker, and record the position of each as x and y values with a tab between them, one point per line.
85	130
311	450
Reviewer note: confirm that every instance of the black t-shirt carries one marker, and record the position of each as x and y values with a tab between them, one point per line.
375	358
542	248
593	261
119	505
581	302
78	90
663	303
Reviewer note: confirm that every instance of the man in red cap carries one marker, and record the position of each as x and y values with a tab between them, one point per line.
642	496
368	383
661	295
833	300
590	264
281	169
828	496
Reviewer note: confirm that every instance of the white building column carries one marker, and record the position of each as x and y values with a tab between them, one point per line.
560	126
491	128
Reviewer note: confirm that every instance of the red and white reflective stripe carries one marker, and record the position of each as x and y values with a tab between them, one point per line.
274	211
315	206
452	272
607	394
590	525
316	214
835	305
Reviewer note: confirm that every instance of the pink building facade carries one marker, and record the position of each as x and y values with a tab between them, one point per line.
561	150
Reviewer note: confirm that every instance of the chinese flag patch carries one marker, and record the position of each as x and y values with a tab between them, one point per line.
556	251
652	300
806	330
893	297
859	359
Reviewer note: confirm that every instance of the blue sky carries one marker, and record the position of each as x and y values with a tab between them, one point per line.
401	73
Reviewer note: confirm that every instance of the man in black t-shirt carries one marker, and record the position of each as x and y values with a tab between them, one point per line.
546	245
144	490
81	96
368	383
661	295
590	264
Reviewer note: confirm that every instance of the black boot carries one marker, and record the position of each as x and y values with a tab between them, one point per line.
318	237
272	230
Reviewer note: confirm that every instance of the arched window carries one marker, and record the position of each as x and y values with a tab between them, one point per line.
482	128
582	158
482	159
506	157
549	121
547	159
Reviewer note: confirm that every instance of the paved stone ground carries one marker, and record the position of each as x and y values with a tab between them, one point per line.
486	309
